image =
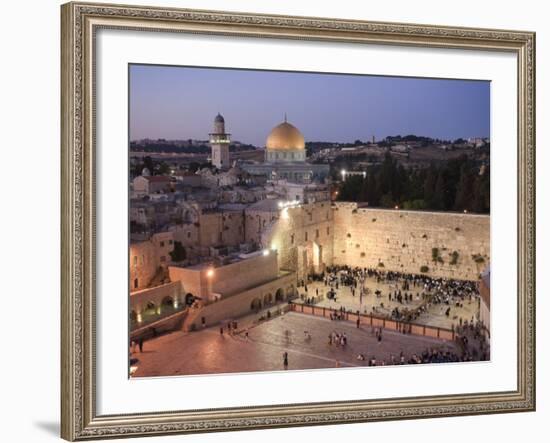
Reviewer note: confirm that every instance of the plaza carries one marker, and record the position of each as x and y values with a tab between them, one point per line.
209	352
435	315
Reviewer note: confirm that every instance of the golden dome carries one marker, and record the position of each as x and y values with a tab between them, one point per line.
285	137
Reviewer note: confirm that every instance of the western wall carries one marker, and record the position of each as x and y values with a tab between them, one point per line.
440	244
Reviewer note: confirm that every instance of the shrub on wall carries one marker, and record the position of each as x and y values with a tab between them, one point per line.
478	258
454	258
435	255
424	268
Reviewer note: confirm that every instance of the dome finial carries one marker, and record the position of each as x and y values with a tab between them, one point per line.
285	117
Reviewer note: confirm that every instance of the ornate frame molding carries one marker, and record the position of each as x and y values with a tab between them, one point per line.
79	23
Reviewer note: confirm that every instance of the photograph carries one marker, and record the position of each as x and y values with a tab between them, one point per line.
289	220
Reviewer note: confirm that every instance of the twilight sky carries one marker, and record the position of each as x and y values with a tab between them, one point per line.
181	103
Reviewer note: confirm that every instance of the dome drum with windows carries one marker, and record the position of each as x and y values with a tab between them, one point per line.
285	143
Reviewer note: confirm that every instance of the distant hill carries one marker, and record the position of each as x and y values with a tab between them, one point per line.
183	146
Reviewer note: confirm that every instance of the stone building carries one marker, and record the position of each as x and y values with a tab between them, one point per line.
149	259
219	143
302	234
285	158
151	184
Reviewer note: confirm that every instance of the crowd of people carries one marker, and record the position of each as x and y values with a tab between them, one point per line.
416	294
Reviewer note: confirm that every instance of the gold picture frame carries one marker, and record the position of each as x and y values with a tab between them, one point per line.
80	21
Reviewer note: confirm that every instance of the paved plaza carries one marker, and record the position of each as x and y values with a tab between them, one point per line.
303	337
434	317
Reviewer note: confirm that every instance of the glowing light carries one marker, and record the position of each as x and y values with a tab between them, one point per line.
396	207
288	204
465	211
343	172
273	246
284	214
210	273
139	317
265	252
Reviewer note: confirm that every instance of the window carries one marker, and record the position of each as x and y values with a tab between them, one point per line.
170	242
136	285
162	244
311	216
162	259
135	260
306	236
189	234
317	233
291	239
328	230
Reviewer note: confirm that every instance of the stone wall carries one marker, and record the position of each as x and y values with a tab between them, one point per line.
228	279
140	299
303	237
400	240
248	301
221	228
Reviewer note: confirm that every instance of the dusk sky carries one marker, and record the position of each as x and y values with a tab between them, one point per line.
181	103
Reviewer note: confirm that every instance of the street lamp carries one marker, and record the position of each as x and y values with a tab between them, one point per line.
210	273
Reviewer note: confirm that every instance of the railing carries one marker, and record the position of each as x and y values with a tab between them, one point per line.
376	321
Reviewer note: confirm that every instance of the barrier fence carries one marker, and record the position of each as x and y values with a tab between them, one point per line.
377	322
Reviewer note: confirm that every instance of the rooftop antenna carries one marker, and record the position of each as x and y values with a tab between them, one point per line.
285	117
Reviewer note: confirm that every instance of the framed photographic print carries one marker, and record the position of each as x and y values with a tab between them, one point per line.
283	221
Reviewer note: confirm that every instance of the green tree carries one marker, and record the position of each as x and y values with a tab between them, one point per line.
179	253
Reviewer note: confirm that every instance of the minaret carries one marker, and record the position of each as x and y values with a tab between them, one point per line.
219	142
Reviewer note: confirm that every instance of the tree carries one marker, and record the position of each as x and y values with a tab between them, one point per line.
464	195
439	192
429	185
179	253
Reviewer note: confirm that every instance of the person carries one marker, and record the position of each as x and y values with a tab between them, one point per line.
358	321
285	360
221	330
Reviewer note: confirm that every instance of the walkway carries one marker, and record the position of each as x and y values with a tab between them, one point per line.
208	352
